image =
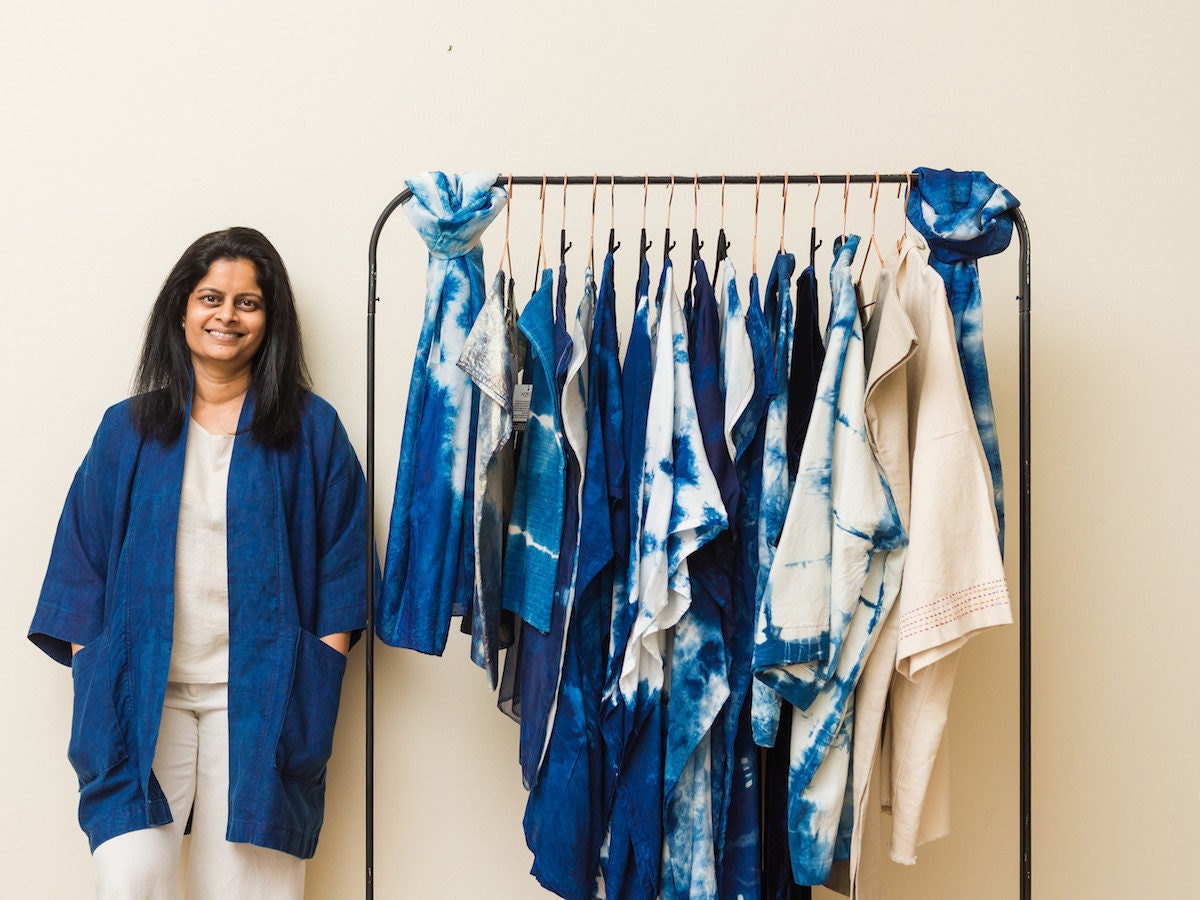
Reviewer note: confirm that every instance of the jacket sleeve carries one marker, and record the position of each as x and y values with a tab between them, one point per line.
341	543
70	608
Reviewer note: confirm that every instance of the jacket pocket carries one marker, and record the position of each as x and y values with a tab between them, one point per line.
96	744
306	736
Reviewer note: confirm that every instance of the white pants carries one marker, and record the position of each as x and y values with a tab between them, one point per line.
191	762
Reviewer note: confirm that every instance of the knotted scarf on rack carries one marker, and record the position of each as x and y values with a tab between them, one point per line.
429	574
964	216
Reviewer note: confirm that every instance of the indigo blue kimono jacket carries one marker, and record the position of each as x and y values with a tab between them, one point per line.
295	525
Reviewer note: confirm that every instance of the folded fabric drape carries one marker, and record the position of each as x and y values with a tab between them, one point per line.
965	216
429	572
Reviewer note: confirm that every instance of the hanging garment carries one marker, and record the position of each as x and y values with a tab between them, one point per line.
699	685
543	662
681	511
749	375
625	833
540	661
835	576
564	818
808	356
921	424
965	216
429	573
776	483
487	359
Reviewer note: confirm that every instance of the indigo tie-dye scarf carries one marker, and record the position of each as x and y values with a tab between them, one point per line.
487	359
965	216
429	573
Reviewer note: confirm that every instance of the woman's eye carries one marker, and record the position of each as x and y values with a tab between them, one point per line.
248	305
210	299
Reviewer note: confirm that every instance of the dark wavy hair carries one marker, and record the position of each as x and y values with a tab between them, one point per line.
279	375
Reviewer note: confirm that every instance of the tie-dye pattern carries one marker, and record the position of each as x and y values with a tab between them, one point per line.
541	656
808	355
564	824
736	808
699	685
487	359
965	216
429	571
776	480
835	576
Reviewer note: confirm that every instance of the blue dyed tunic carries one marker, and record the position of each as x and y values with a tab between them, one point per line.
429	571
964	216
699	683
564	818
835	576
776	479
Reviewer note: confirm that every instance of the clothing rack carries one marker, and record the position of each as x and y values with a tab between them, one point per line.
1025	579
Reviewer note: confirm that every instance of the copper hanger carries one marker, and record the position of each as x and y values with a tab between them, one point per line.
754	246
541	228
871	242
613	243
644	244
783	215
668	244
813	243
506	255
592	233
845	204
563	245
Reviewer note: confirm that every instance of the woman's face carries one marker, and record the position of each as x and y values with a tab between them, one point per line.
226	317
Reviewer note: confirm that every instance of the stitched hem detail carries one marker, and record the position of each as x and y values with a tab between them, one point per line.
953	607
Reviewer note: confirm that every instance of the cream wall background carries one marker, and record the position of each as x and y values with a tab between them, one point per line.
131	128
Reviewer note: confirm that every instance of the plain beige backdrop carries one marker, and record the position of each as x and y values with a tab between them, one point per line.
128	129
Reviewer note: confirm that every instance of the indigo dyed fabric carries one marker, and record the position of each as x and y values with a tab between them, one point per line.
550	514
964	216
564	818
487	360
808	355
776	481
834	579
429	572
294	532
630	858
749	377
699	685
535	529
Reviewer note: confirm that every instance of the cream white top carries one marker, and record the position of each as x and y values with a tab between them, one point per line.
200	652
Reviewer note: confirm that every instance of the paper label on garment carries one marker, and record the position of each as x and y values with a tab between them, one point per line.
522	393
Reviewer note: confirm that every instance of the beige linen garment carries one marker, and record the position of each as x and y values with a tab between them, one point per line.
921	429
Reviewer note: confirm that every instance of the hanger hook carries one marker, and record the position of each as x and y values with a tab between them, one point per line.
907	190
695	201
592	230
612	202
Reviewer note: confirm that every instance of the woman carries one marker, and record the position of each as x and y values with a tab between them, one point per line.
206	581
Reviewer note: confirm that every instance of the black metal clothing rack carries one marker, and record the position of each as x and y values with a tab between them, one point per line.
1025	577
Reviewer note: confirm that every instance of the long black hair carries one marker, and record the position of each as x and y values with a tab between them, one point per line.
279	376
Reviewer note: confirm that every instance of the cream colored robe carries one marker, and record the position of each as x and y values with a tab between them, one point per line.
922	431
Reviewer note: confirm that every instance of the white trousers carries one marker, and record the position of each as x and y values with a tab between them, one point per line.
191	762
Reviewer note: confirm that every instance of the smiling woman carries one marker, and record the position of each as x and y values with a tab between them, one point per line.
205	584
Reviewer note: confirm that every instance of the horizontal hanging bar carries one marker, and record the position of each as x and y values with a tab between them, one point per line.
640	180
